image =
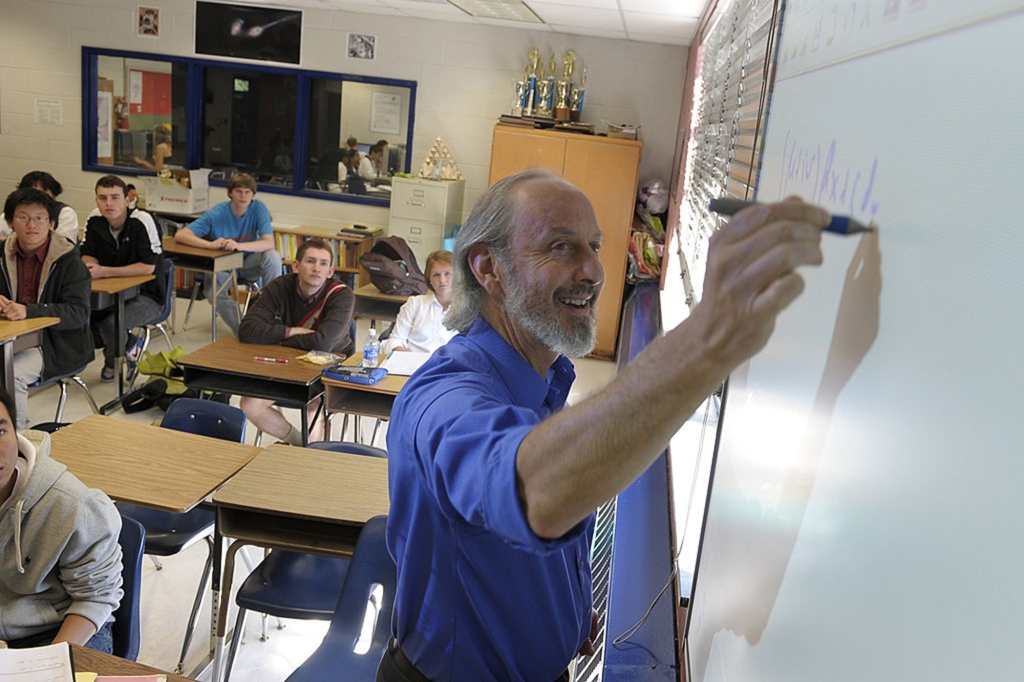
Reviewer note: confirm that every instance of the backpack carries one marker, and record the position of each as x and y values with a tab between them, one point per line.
393	269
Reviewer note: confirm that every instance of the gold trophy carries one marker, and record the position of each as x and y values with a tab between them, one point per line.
565	86
543	98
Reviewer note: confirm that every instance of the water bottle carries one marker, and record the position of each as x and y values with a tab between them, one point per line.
371	349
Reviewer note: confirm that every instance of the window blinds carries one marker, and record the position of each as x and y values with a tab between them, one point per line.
735	65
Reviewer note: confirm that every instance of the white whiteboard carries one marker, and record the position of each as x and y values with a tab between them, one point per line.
873	528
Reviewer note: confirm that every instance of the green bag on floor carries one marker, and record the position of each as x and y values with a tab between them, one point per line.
164	365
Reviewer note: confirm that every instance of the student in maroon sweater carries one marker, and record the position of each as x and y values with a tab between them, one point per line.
305	309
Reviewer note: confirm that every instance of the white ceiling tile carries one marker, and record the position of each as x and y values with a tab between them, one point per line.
595	4
672	8
585	31
562	15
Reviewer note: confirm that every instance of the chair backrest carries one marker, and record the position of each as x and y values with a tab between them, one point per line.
371	582
348	448
206	418
127	630
167	267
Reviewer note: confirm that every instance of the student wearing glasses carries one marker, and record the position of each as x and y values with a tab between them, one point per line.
67	220
42	275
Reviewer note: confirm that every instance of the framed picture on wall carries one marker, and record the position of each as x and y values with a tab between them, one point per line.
246	32
149	22
362	46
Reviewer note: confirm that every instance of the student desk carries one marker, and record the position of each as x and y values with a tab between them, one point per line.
16	336
372	304
91	661
297	499
210	261
114	291
362	400
150	466
147	465
229	366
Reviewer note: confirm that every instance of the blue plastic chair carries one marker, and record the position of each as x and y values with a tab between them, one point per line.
168	533
292	584
158	321
126	631
370	584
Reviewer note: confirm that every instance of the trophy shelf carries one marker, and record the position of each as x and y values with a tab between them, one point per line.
607	171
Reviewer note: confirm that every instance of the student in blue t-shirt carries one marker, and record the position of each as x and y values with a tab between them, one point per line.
242	224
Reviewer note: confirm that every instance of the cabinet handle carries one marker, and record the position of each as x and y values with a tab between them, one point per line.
416	230
421	204
415	241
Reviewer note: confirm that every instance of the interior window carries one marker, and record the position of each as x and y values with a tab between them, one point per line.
287	127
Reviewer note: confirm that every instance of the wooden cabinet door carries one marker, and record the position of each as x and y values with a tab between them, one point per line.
607	173
516	150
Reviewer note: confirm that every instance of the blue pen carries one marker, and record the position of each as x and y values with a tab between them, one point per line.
840	224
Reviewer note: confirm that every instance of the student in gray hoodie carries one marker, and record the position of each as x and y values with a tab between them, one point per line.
60	561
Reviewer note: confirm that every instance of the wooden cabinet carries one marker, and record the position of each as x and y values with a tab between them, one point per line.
606	170
425	212
347	249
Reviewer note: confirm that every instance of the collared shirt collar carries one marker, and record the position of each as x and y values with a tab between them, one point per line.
40	253
519	374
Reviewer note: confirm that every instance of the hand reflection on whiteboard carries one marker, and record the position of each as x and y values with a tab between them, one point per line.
750	566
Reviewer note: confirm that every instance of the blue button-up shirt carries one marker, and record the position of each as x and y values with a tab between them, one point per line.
480	596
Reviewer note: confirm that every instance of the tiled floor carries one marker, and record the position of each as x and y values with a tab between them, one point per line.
167	594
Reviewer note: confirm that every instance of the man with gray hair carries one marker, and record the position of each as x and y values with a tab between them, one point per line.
493	485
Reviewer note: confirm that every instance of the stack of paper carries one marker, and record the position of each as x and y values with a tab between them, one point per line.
404	362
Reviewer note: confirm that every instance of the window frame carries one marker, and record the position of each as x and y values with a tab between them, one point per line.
194	118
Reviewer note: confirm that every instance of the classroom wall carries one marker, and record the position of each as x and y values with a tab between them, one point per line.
464	72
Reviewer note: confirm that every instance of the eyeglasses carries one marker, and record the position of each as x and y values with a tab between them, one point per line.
38	220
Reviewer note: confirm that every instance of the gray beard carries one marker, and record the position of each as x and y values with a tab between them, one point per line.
574	343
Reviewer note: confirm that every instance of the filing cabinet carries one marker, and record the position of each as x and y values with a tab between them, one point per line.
425	212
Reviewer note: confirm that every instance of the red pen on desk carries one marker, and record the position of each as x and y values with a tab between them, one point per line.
263	359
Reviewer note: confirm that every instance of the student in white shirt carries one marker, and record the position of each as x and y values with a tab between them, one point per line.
370	165
67	222
419	326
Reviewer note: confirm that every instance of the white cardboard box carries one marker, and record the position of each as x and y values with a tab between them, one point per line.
168	194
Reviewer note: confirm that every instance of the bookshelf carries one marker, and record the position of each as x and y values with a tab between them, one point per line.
347	249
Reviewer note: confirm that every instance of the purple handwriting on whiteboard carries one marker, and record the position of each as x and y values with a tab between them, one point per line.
825	177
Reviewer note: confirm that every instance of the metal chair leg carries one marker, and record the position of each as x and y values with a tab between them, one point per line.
162	328
207	571
236	637
191	300
63	399
156	562
88	394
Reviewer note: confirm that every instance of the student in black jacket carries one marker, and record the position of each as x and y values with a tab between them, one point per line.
118	244
42	275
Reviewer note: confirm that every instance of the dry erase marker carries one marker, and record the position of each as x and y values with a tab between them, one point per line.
839	225
263	359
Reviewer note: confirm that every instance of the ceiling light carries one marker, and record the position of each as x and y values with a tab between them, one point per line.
512	10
